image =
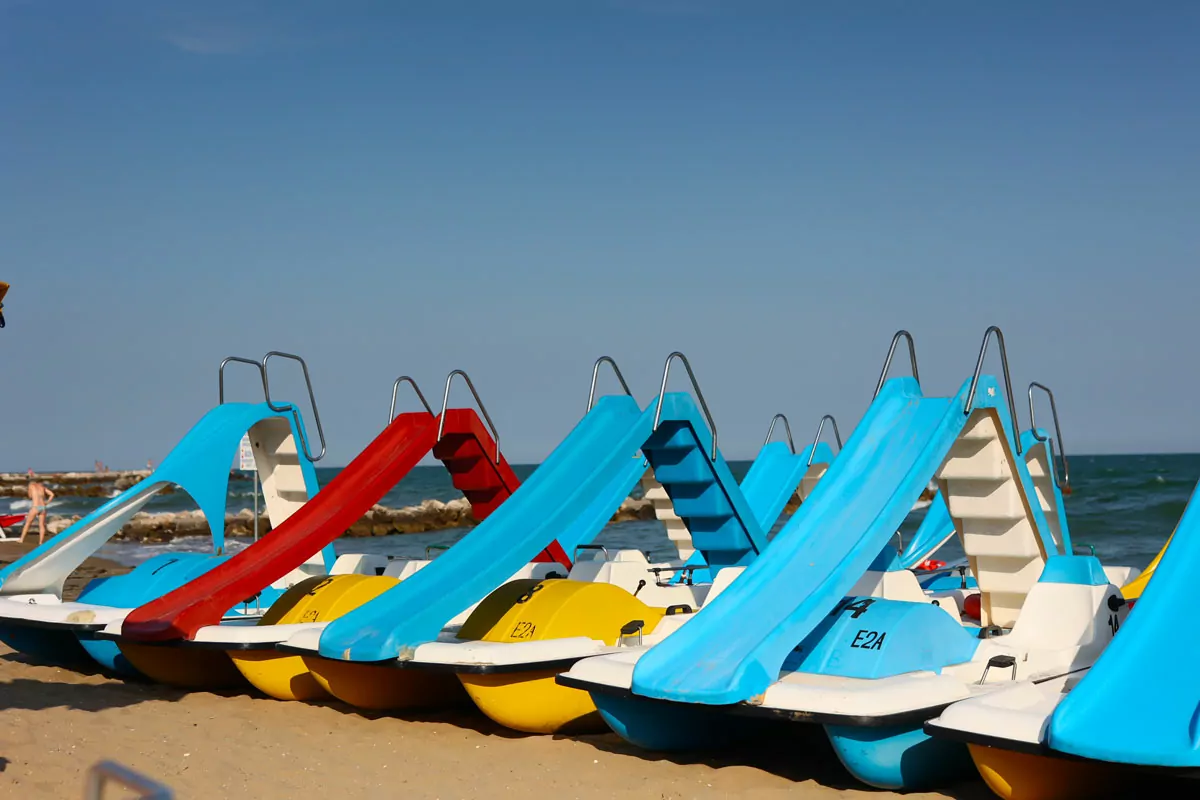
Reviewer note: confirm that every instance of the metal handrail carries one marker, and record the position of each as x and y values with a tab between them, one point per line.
712	426
596	547
787	427
262	373
887	364
596	372
104	772
1012	405
478	402
837	435
312	400
396	388
1062	453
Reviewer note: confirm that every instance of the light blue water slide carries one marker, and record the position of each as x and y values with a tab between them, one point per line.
199	465
595	467
934	531
736	645
1140	703
773	477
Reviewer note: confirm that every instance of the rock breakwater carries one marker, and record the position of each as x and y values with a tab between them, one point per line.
431	515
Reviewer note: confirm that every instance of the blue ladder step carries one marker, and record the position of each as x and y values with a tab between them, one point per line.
671	435
711	503
692	467
710	533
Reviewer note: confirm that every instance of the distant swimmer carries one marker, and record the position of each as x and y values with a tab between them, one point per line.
39	497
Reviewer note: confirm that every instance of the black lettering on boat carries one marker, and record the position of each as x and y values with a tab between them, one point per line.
523	630
859	607
525	598
868	640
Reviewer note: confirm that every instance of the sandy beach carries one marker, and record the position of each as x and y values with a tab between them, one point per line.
55	723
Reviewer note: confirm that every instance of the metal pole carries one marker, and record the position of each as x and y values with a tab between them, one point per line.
256	505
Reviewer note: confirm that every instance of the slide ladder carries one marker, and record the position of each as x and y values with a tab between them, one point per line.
937	527
769	485
699	483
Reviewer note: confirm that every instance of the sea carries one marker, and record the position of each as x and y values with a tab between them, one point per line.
1121	506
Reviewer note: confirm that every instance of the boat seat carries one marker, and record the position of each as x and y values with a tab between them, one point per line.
902	585
1121	576
1059	615
625	568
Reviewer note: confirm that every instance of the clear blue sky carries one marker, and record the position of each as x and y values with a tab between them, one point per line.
772	188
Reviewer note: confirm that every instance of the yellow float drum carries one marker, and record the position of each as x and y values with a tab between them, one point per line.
284	676
1024	776
539	610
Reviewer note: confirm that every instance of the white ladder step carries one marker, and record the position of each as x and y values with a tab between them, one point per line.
976	461
978	500
1019	547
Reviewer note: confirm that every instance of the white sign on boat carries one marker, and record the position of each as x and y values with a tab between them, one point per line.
246	455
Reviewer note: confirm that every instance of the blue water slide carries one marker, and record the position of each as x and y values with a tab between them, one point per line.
1140	702
933	532
593	468
774	476
737	644
198	465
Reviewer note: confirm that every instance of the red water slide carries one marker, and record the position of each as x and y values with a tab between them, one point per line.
466	449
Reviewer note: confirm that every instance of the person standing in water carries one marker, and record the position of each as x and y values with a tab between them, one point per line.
39	497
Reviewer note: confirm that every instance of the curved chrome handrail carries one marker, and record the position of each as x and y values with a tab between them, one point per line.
837	435
262	374
787	427
596	547
312	401
887	364
1012	405
595	374
1062	453
712	426
478	402
396	388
